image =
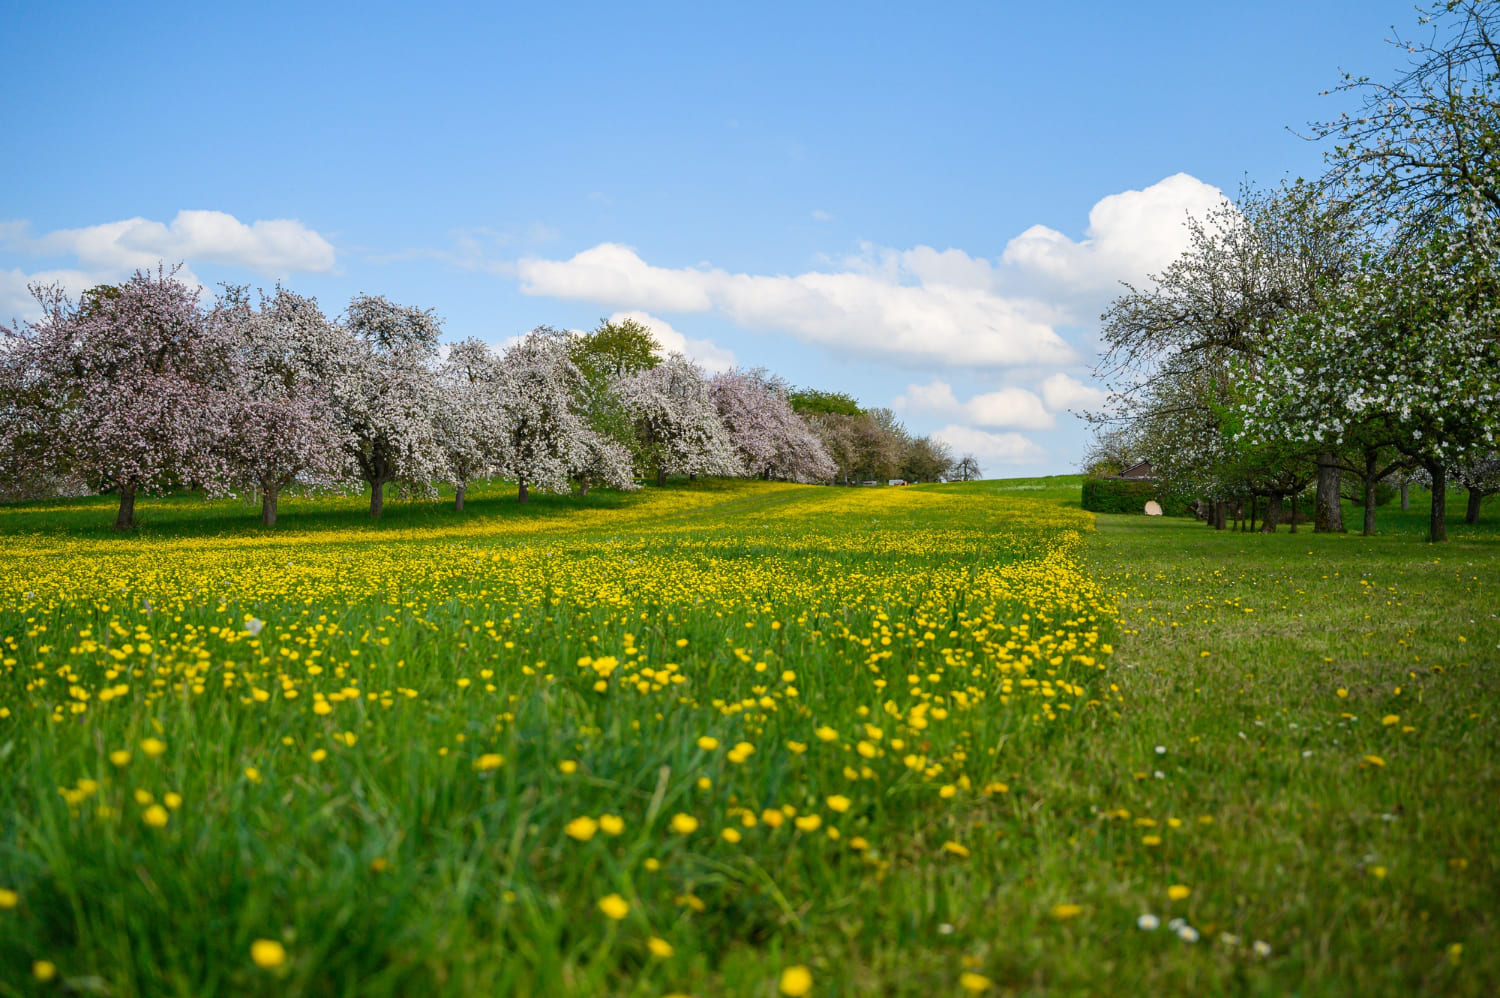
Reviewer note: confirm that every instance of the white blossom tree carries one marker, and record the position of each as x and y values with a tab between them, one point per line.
677	429
1407	354
385	398
546	436
1480	475
129	387
472	424
285	432
769	437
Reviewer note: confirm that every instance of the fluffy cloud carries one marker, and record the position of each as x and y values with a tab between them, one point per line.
708	354
922	305
993	448
1007	407
856	313
275	247
16	301
1062	392
1129	235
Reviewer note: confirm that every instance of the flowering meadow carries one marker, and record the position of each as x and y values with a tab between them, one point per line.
726	738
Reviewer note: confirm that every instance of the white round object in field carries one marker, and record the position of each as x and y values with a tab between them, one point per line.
1152	509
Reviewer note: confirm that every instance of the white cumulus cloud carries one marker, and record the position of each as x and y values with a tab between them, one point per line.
849	312
1007	407
706	353
1129	235
993	448
1061	392
111	251
274	247
940	308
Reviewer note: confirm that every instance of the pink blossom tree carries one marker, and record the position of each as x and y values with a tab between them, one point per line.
769	437
130	387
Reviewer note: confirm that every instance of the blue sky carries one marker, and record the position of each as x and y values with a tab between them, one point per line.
924	205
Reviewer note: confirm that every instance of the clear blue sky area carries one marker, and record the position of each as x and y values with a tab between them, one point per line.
766	184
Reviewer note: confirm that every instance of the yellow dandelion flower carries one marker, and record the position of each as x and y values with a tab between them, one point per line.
153	747
659	947
957	849
1066	911
267	954
8	898
974	983
611	824
838	802
44	970
684	824
1178	892
489	761
614	906
156	816
582	828
796	981
120	758
708	743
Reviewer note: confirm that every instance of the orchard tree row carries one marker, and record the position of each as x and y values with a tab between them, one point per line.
1336	331
143	387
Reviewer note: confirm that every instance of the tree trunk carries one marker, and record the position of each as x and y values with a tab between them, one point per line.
377	499
1369	526
125	520
1218	514
583	488
661	476
1329	515
1295	498
1254	509
1405	496
1471	515
523	492
1273	514
458	496
1437	524
268	499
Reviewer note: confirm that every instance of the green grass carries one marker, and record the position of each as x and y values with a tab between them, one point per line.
399	861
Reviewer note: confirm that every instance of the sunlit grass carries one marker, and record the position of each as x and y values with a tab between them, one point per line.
691	740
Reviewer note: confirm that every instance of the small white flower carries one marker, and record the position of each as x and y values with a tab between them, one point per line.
1229	939
1261	948
1177	924
1159	775
1187	934
1147	922
253	625
945	929
1161	750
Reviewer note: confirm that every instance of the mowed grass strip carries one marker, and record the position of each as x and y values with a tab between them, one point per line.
693	740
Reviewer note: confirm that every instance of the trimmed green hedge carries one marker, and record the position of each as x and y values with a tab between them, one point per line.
1127	495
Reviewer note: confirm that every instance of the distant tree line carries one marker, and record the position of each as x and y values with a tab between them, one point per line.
1340	335
142	387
